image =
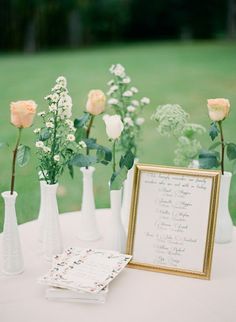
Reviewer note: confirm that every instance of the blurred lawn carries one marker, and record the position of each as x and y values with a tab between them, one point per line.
186	74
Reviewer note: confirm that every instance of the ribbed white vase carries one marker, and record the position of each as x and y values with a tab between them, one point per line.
127	196
224	224
118	235
12	261
52	238
88	229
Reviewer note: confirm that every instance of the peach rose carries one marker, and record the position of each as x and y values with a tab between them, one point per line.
22	113
96	102
218	108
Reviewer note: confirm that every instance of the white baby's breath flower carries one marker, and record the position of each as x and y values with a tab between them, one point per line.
36	131
49	125
69	123
82	144
46	149
126	80
53	107
113	101
135	103
134	89
112	89
62	81
131	108
48	97
70	137
65	101
41	113
145	100
140	121
127	94
110	83
56	157
118	70
55	97
128	121
39	144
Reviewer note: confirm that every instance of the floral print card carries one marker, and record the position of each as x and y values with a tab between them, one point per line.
88	270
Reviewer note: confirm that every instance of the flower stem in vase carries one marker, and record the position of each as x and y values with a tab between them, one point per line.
222	147
14	161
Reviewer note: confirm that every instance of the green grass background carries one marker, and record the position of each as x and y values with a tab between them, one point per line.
183	73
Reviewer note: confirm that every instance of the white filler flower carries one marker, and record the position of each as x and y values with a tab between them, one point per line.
71	137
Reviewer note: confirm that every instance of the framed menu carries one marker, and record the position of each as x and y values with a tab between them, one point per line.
172	220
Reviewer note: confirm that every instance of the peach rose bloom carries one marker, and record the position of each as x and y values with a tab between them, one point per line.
22	113
96	102
218	108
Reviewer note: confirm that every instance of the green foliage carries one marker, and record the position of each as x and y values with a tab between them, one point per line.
81	121
209	159
23	155
104	155
231	151
81	160
213	131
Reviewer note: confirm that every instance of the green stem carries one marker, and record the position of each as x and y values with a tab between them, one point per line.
88	131
114	156
52	172
14	161
222	147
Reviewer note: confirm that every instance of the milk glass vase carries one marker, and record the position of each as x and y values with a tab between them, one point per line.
127	196
224	224
51	235
118	235
88	229
12	261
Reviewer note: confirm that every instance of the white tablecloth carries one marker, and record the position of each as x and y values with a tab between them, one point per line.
135	295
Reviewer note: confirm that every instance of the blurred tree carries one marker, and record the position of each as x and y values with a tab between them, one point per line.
231	19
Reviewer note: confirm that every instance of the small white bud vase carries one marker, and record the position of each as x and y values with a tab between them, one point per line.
42	211
12	261
118	236
224	224
126	199
88	229
52	239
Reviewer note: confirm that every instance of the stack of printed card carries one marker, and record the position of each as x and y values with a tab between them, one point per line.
83	275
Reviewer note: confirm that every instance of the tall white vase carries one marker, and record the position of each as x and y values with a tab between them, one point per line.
42	210
52	238
127	196
118	235
88	229
12	261
224	224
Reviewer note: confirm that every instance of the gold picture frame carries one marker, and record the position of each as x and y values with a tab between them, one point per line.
172	220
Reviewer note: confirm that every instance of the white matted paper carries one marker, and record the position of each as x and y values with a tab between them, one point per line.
173	219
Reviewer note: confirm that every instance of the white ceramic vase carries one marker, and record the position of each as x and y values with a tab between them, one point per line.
127	196
224	224
12	261
88	229
52	238
118	235
42	211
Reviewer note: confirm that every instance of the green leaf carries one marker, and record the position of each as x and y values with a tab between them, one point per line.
80	134
71	170
23	155
209	159
104	155
44	135
91	144
213	131
81	160
127	160
231	151
81	121
118	179
214	145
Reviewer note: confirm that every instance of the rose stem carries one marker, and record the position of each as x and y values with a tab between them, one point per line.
88	133
222	147
14	161
114	156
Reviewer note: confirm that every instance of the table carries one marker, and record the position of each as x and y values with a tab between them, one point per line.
135	295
